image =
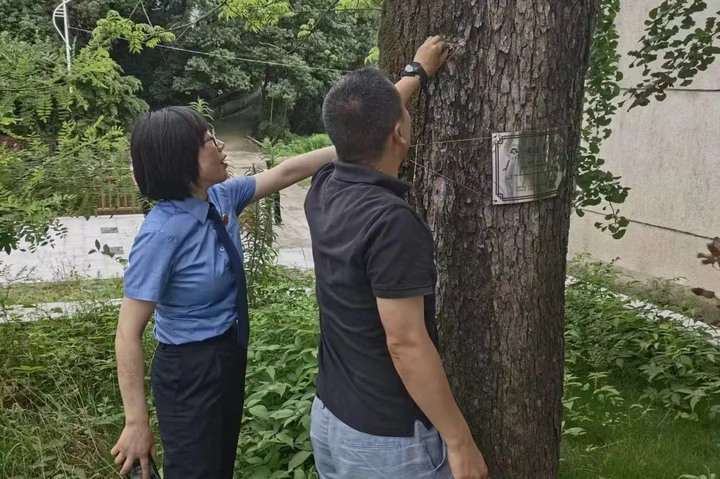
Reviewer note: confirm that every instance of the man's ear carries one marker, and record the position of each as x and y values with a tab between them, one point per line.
398	136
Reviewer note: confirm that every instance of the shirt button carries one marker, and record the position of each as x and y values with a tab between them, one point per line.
222	249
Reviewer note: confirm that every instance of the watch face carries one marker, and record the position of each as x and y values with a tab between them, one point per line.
410	68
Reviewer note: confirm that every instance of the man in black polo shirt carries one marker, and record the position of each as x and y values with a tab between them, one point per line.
382	392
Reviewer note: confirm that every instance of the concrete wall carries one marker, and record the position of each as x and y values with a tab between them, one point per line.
667	152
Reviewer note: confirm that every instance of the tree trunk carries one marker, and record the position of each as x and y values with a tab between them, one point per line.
518	65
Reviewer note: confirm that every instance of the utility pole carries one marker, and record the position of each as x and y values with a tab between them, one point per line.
61	12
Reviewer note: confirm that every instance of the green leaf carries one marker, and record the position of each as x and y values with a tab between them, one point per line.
694	401
282	437
298	459
259	411
653	370
261	473
574	431
282	414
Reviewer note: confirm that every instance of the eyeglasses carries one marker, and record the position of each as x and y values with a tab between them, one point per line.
213	138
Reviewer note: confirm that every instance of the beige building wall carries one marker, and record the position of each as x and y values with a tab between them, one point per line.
668	153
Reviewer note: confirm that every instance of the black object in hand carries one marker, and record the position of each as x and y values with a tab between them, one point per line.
136	471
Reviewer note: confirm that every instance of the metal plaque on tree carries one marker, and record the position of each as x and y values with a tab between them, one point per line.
527	166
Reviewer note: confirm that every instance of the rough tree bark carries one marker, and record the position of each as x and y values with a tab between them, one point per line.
518	65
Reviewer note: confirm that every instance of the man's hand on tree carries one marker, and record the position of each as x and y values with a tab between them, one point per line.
432	54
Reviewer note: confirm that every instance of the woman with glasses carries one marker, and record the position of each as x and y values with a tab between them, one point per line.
186	267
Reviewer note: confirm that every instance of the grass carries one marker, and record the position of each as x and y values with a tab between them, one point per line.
78	289
649	445
60	408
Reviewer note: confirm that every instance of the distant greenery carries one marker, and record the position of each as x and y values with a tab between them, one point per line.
299	33
298	145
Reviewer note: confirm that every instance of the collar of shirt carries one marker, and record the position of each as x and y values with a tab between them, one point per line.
354	173
195	207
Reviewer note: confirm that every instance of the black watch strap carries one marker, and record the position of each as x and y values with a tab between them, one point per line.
415	69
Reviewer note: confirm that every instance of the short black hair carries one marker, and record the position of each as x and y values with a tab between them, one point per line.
164	147
360	113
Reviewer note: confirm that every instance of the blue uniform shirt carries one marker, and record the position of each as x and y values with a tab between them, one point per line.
177	262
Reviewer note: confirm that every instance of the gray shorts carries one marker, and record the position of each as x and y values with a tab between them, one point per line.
342	452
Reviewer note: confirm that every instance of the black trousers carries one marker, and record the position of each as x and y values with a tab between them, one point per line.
199	391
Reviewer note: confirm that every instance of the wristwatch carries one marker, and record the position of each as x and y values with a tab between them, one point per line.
414	69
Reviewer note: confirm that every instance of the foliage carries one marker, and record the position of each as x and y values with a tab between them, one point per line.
273	130
282	365
359	4
631	377
153	67
40	182
373	57
22	19
31	221
98	77
159	12
707	475
137	35
666	293
256	14
630	441
39	94
296	145
310	36
202	107
671	33
601	91
687	46
235	41
68	133
256	228
60	407
36	96
671	365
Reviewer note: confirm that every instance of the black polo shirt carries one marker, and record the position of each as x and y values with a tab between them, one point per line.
368	243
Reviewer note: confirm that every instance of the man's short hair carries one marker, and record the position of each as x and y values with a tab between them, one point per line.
360	113
164	146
